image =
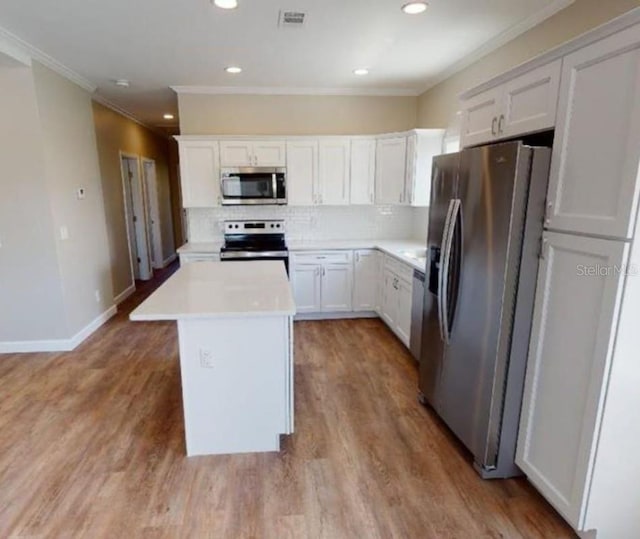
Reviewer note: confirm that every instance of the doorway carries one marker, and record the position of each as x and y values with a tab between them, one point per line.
154	232
135	217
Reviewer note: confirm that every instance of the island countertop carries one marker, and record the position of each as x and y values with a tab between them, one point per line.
221	290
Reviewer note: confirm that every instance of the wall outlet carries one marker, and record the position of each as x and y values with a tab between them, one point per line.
81	193
206	359
98	296
64	233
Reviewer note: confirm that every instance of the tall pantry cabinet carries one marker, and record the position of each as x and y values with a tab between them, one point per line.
579	440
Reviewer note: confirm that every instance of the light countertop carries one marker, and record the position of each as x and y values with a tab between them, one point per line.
221	290
395	248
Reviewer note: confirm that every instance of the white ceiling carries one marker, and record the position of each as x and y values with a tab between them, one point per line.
162	43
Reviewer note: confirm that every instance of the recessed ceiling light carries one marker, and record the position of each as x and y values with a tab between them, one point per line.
233	70
413	8
123	83
361	71
168	116
226	4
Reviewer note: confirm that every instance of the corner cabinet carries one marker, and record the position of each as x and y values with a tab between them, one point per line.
594	170
422	146
572	341
199	173
525	104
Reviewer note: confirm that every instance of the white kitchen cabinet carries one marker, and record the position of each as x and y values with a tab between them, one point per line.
336	287
250	153
422	146
334	171
397	297
366	280
306	280
189	258
391	164
403	322
322	281
302	172
594	169
525	104
578	298
363	167
199	173
389	302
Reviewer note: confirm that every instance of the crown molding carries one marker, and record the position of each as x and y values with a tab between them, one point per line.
502	39
27	52
266	90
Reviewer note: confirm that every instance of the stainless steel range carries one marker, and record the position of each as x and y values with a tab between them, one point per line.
254	240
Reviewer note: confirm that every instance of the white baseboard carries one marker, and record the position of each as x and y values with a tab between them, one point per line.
124	294
336	315
58	345
169	259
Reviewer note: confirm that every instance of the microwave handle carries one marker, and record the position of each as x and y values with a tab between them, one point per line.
274	185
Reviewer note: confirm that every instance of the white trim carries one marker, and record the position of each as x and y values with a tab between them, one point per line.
270	90
347	315
9	49
126	293
169	260
58	345
624	21
25	49
502	39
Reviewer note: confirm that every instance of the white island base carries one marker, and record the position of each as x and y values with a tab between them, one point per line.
235	330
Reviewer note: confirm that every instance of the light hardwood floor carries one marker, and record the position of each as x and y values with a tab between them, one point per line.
91	445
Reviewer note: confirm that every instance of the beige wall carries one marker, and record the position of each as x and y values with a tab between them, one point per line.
294	115
31	300
437	106
116	134
71	161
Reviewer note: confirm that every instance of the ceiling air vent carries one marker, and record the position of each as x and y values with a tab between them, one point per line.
292	19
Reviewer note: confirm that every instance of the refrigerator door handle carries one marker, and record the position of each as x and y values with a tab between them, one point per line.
443	270
454	212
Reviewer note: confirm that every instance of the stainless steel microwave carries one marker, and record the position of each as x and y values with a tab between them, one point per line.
253	186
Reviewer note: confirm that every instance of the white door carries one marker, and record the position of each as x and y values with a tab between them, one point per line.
576	310
480	117
153	212
302	172
530	101
306	281
334	167
403	321
236	153
366	280
336	287
594	169
200	173
136	228
389	303
363	168
391	162
269	153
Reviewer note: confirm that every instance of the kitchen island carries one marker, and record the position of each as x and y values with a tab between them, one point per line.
235	331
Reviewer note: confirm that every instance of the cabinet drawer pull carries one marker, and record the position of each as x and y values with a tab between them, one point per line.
500	124
493	126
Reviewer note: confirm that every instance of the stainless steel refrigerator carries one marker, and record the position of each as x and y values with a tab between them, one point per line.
485	230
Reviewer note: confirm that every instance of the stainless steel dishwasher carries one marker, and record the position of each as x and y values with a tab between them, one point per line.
417	302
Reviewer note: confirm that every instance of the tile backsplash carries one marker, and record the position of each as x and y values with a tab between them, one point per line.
316	222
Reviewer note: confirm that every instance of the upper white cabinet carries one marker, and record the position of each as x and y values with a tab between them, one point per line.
422	146
391	165
594	169
302	172
334	171
363	168
524	104
366	280
199	173
573	334
248	153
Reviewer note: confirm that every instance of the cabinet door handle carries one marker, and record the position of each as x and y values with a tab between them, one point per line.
500	124
493	126
400	198
323	271
357	257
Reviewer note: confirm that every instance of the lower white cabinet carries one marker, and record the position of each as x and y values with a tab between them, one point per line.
572	343
188	258
366	282
397	296
322	281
